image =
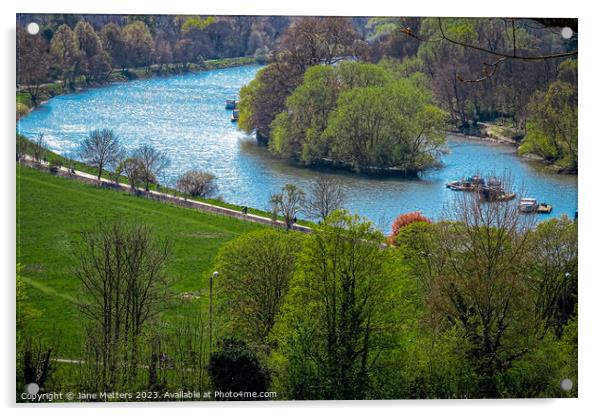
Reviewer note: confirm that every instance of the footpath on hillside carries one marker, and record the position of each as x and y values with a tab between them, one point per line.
162	197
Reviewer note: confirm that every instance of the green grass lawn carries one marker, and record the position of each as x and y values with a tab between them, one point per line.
52	210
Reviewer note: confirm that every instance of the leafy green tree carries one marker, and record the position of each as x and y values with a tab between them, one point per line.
554	271
139	43
114	45
307	42
342	316
94	61
65	50
297	131
386	127
255	271
552	126
476	279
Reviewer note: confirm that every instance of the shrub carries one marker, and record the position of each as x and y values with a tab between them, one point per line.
403	220
197	183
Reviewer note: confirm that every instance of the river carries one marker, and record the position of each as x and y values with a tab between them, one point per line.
185	117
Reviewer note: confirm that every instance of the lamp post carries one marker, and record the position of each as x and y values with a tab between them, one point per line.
213	276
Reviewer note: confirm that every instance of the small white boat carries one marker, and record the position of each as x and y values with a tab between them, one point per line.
528	205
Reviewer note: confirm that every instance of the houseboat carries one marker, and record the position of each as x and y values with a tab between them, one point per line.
494	192
527	205
469	184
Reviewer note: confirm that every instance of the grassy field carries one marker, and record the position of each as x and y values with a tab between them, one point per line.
52	210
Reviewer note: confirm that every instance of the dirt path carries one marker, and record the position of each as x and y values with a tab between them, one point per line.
167	198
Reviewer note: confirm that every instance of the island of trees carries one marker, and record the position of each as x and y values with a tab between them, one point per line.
381	96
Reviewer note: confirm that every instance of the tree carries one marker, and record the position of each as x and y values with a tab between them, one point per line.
152	163
33	63
121	268
235	368
307	42
65	51
403	220
138	43
197	183
326	195
393	127
101	148
552	131
476	280
134	171
554	271
512	51
342	315
255	270
297	132
288	202
39	148
94	61
114	45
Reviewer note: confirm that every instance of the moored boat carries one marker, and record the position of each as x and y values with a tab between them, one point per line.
234	116
469	184
544	208
528	205
231	104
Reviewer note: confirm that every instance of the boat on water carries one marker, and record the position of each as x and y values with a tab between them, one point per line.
527	205
470	184
530	205
234	116
231	104
544	208
494	191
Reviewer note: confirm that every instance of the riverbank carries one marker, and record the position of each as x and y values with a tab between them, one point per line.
174	199
25	104
499	134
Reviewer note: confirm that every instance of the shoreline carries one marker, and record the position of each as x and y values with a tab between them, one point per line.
527	157
117	76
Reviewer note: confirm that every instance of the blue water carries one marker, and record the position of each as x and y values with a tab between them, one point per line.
185	117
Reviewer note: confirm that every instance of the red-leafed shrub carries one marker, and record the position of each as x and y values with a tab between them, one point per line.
405	219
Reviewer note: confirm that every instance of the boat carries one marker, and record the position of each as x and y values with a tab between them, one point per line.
528	205
489	194
469	184
231	104
234	116
544	208
494	192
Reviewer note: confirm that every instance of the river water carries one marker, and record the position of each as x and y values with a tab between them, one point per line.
185	117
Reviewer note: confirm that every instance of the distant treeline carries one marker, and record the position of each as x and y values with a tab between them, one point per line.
90	46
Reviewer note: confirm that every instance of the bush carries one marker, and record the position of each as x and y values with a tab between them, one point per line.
197	183
22	110
404	220
236	368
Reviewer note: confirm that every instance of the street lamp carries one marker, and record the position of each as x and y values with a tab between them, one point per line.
213	276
